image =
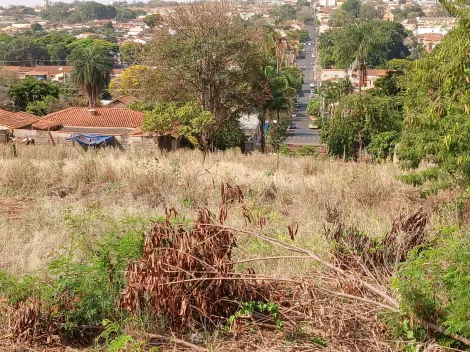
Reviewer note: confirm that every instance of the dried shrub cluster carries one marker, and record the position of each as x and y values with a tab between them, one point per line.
351	245
187	273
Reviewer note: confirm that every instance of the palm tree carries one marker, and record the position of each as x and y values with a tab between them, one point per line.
91	71
345	86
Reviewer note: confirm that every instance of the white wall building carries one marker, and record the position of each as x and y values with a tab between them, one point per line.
333	74
331	3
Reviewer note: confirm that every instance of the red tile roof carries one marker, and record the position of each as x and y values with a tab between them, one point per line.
53	70
16	119
377	72
45	124
430	37
103	117
125	99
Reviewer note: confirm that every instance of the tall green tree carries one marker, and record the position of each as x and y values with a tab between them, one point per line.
208	57
437	101
31	90
24	51
356	120
91	70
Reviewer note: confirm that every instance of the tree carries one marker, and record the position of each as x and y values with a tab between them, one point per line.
41	107
132	53
353	7
56	12
91	69
36	27
105	46
92	10
305	14
436	103
208	57
345	86
26	52
286	12
125	14
363	45
137	81
368	12
153	20
193	123
30	90
313	108
58	53
341	18
304	35
356	120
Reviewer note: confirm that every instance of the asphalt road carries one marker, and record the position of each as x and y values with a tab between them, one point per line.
302	134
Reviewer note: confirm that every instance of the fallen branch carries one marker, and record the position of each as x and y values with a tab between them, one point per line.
440	329
176	340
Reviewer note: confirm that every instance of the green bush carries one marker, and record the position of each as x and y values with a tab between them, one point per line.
82	285
306	150
382	145
434	283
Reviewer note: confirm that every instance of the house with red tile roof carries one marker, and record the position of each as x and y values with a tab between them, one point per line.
122	101
16	120
430	40
112	121
52	73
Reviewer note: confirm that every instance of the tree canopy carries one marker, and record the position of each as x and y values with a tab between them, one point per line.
373	42
91	68
436	105
209	58
30	90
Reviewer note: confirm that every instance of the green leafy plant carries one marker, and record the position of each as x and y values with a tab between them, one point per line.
246	309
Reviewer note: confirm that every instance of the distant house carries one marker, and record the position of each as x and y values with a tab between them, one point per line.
84	35
51	73
333	74
121	102
251	128
15	120
429	40
112	121
370	77
389	16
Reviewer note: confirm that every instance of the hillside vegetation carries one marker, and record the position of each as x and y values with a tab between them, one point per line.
300	256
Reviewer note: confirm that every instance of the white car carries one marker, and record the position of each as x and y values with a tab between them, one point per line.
312	85
309	43
294	115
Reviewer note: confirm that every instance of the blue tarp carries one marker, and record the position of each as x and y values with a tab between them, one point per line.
95	140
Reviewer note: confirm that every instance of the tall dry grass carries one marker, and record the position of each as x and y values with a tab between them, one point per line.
47	194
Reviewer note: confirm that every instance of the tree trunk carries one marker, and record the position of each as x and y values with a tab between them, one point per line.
262	121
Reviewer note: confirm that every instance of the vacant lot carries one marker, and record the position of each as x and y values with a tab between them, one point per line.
46	191
54	200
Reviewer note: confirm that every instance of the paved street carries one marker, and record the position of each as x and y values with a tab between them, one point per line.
304	135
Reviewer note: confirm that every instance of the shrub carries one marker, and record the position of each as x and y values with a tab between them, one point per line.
306	150
80	287
433	284
382	145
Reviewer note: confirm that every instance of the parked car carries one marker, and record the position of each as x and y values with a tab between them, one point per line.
312	85
292	126
294	115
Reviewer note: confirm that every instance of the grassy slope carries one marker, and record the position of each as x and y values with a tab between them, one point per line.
45	186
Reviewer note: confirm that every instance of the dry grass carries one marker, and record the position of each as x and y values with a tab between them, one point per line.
45	186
